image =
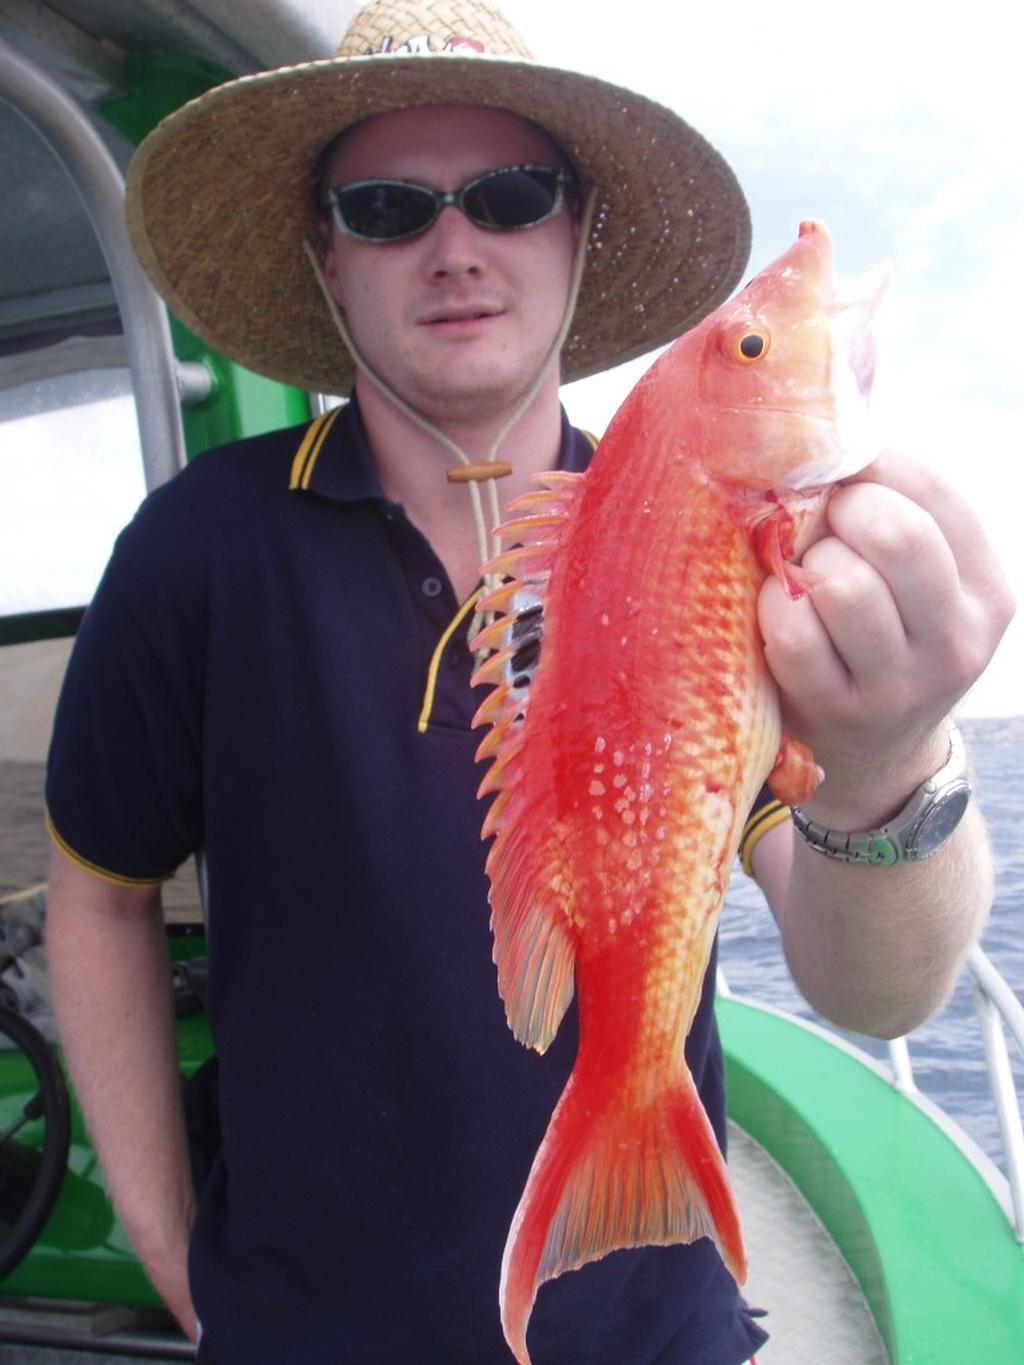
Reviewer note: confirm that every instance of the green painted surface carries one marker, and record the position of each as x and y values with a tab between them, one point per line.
39	625
82	1253
157	83
240	402
919	1227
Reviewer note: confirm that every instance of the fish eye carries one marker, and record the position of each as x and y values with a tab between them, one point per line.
746	344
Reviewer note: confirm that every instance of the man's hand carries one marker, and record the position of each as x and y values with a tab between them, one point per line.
110	980
910	607
908	610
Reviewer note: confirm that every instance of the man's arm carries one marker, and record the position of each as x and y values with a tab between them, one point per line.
877	950
110	979
909	608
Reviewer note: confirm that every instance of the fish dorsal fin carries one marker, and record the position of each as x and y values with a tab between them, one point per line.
531	899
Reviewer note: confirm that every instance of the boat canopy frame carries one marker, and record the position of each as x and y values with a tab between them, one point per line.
187	397
66	129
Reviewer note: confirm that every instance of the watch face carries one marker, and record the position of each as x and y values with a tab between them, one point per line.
940	820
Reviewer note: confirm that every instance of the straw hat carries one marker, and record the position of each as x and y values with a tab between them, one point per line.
219	198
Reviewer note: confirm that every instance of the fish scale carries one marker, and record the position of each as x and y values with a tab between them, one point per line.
635	720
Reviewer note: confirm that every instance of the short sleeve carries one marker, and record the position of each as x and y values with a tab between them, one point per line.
767	812
123	785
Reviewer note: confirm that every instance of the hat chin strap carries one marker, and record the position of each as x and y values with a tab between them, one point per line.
473	473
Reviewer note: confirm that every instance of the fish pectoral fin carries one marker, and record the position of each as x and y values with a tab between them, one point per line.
604	1180
774	542
795	775
536	980
534	945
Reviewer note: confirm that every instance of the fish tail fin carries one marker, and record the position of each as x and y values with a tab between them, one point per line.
604	1180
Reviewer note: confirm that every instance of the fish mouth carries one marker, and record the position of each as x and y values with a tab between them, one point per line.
793	410
849	443
847	422
850	307
852	314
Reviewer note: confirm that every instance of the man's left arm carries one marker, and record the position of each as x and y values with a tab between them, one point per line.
909	607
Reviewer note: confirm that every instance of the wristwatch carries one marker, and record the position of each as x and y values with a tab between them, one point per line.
915	831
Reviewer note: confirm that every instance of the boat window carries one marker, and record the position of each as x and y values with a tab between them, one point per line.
71	472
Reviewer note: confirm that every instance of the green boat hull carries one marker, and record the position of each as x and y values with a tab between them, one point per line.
915	1218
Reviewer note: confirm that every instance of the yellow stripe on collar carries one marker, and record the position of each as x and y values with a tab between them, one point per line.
435	660
309	451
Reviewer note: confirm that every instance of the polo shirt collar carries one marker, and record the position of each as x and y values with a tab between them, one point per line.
333	459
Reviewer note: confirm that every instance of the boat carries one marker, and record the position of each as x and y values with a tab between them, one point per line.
878	1231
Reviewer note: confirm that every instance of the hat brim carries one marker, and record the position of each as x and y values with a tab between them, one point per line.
218	204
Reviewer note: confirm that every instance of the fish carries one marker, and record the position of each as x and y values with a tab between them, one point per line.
633	720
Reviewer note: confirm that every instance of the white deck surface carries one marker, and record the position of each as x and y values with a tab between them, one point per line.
816	1312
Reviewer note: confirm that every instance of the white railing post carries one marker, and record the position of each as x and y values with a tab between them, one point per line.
997	1008
902	1070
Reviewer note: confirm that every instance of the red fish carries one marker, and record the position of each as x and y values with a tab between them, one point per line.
634	721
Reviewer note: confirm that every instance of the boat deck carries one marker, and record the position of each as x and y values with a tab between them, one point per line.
817	1314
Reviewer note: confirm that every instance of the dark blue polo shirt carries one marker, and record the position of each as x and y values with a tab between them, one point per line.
261	676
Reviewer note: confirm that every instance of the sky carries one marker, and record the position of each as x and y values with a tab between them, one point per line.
897	124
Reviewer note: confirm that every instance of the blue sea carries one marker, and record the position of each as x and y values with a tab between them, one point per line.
947	1053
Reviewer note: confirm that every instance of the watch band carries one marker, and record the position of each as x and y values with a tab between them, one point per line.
916	831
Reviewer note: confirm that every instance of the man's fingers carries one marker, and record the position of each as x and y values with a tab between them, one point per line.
810	674
978	567
903	549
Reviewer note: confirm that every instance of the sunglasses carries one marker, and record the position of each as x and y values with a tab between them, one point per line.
505	200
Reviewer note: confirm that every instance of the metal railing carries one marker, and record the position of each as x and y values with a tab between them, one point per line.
997	1010
66	129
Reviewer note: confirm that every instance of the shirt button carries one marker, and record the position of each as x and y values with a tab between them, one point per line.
431	587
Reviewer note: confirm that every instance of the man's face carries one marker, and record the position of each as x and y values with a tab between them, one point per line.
458	320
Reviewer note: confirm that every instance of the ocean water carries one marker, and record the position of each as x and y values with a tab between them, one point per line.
946	1052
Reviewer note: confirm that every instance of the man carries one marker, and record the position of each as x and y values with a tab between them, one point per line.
275	669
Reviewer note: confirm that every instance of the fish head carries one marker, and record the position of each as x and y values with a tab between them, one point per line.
784	373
